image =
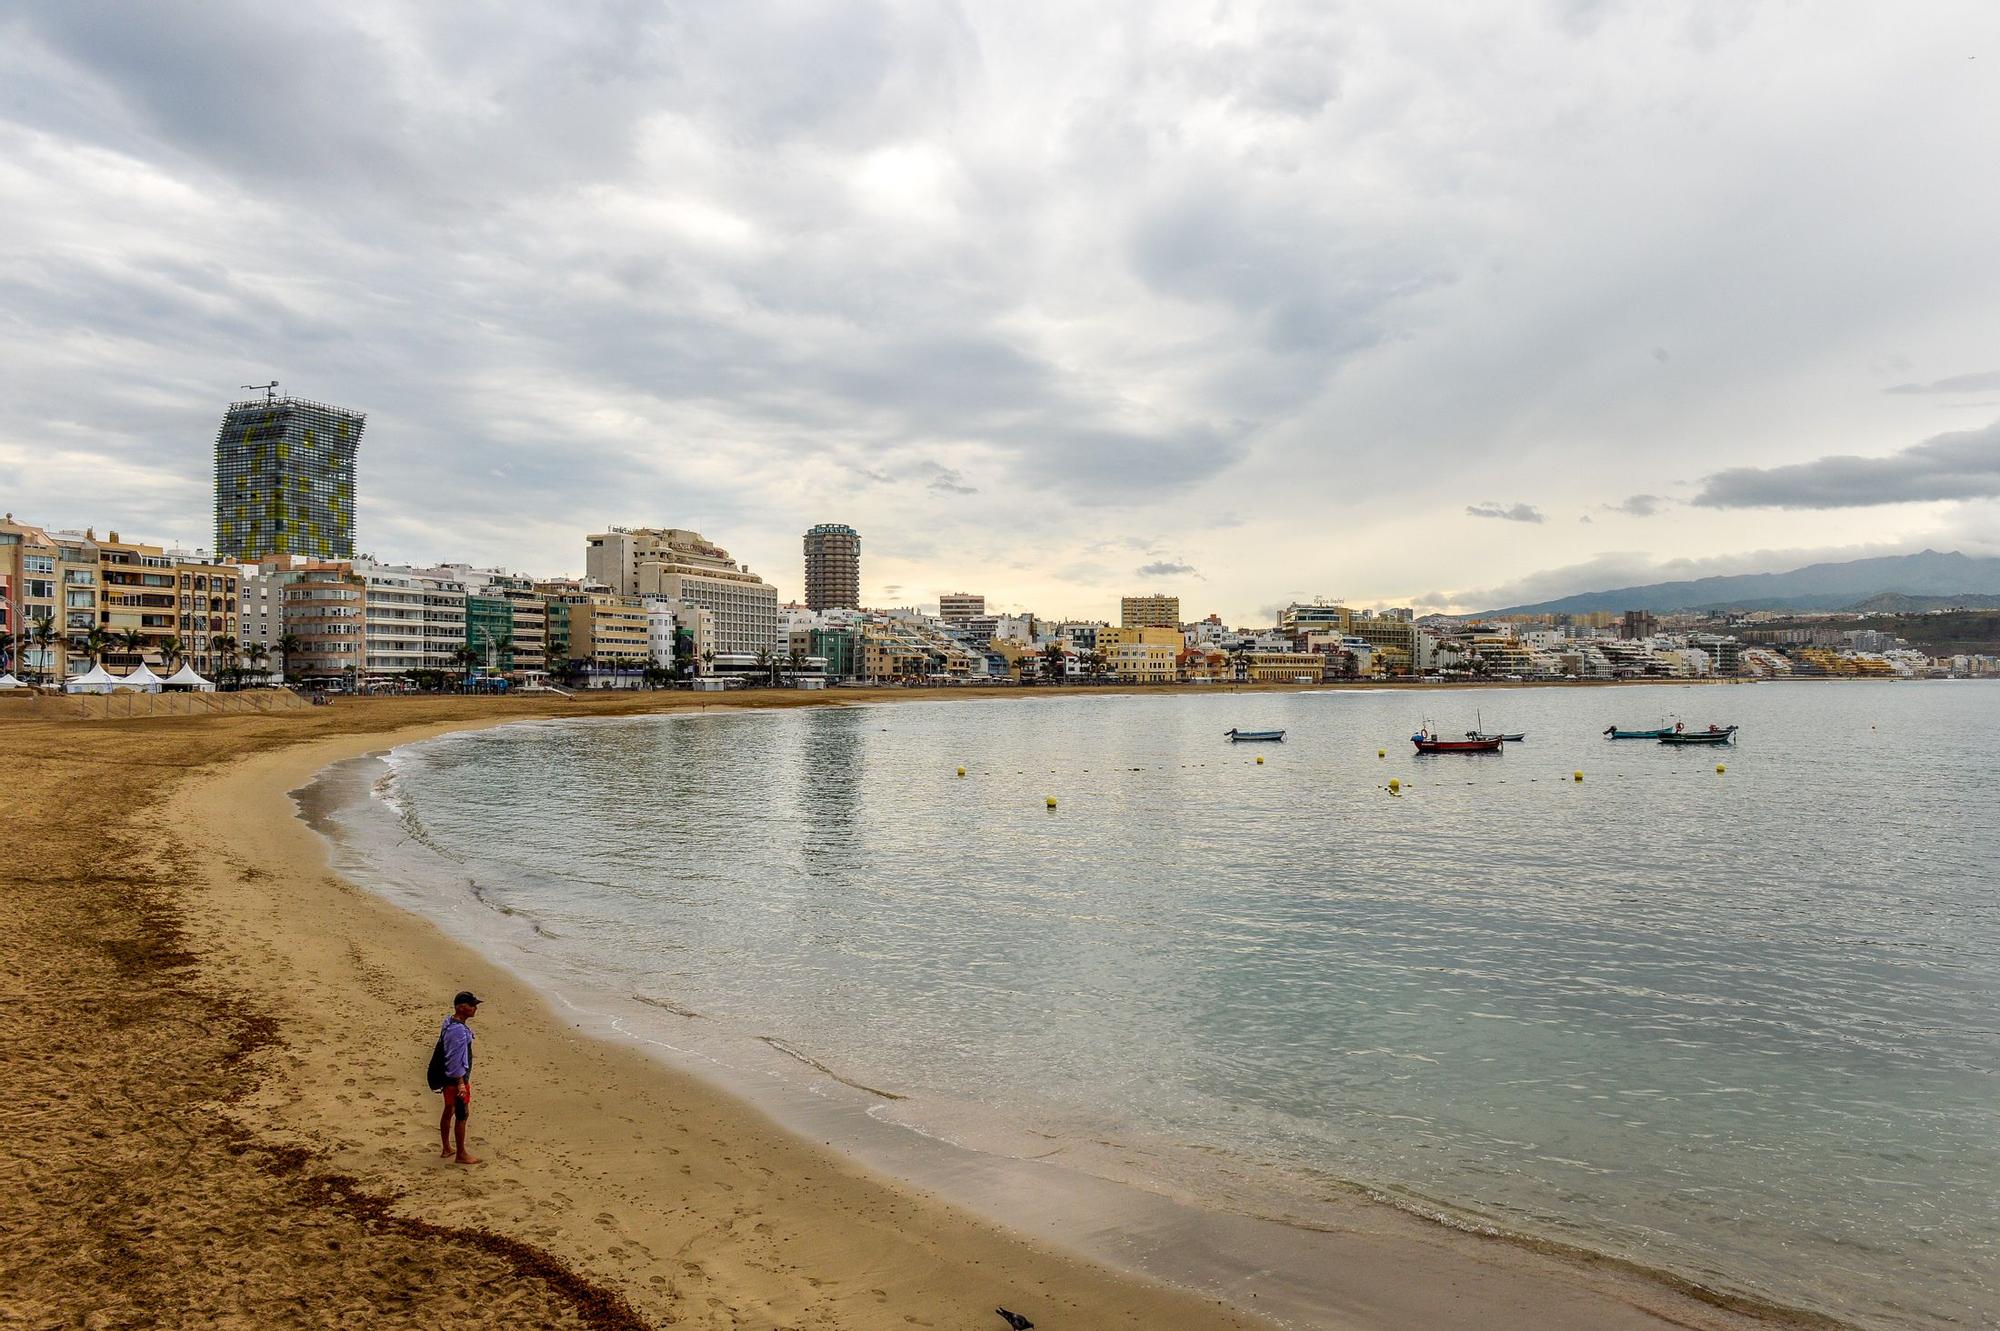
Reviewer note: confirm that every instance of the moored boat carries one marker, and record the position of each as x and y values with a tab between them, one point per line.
1613	732
1511	739
1426	742
1254	736
1712	735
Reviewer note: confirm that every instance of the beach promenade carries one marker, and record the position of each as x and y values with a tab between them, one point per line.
213	1049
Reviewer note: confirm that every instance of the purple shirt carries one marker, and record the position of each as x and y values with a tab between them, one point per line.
457	1038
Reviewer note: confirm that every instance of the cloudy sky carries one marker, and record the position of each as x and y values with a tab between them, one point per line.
1446	303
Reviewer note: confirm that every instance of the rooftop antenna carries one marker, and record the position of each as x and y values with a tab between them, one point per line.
270	390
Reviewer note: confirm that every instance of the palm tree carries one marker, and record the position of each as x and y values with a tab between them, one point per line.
133	642
289	646
258	655
1239	657
172	650
95	643
503	650
707	661
1055	663
798	660
45	636
1097	665
222	647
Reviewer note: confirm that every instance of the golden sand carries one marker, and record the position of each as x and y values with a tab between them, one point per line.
213	1115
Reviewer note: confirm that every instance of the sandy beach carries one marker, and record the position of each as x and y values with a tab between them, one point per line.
215	1115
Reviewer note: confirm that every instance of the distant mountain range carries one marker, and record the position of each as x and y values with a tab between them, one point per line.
1927	580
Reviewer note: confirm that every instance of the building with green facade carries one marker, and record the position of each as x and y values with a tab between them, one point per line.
841	649
489	630
284	480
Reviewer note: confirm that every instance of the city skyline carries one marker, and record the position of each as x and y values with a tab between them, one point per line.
1211	310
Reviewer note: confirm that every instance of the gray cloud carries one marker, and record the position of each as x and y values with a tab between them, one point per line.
1984	382
1640	506
1964	464
1508	513
1164	568
942	479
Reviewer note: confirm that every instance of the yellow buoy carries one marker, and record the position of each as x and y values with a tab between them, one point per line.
1579	776
961	771
1394	785
1260	760
1720	769
1052	801
1381	753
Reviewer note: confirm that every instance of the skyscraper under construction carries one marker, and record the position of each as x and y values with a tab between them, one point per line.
284	479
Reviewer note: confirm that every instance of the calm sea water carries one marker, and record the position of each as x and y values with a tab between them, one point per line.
1743	1027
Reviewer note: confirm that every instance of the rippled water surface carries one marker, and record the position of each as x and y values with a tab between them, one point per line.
1740	1026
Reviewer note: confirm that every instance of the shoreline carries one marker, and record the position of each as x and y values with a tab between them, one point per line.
679	1196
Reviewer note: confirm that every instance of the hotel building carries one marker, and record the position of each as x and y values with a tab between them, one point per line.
684	566
833	567
284	480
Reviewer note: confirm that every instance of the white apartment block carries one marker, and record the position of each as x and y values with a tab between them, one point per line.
411	620
683	565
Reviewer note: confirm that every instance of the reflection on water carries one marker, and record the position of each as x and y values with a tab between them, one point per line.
1738	1025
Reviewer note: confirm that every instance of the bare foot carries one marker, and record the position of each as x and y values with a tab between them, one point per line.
445	1154
465	1159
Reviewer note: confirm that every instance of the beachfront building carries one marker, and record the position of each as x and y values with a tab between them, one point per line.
323	610
29	559
685	566
833	566
506	619
1135	655
284	479
412	619
1284	667
1150	612
608	633
1301	617
1392	635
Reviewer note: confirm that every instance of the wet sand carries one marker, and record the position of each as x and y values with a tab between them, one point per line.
213	1050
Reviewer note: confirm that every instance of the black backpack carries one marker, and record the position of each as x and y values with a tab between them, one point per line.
435	1073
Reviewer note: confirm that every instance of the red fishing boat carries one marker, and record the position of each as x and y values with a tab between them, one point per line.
1427	742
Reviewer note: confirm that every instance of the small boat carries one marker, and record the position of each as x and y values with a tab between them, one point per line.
1254	736
1712	735
1426	742
1511	739
1613	732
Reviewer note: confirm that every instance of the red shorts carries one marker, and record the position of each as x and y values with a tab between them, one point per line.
457	1097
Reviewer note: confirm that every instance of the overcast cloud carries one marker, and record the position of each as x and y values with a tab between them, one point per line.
1280	287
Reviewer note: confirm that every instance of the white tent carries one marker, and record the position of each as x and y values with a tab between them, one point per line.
142	679
185	678
7	681
97	680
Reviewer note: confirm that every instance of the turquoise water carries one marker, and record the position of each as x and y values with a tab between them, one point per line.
1742	1027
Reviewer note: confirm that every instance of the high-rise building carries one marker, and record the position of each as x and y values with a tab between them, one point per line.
684	566
958	607
284	480
833	567
1150	612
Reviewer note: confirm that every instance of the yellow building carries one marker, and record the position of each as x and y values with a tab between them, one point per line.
176	605
607	631
1394	641
1149	612
1141	655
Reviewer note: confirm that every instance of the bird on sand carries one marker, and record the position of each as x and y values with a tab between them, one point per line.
1015	1320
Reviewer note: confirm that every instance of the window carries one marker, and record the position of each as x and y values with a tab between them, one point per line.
38	563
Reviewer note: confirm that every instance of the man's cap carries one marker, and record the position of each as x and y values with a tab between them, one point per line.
466	996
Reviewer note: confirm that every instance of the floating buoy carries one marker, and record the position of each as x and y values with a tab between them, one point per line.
1579	776
1260	760
1381	753
1395	786
1720	769
1052	801
961	771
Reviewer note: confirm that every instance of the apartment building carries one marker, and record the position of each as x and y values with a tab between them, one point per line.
284	479
1284	667
961	607
29	559
685	566
1150	612
323	609
411	619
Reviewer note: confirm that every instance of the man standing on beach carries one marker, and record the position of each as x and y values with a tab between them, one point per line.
457	1039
